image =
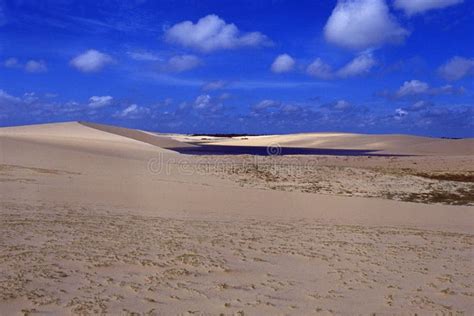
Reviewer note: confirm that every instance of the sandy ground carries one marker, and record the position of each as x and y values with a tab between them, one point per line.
97	222
445	180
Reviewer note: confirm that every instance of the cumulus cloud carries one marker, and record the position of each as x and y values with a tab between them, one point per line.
361	64
11	63
182	63
342	105
338	106
457	68
30	97
400	113
202	101
214	85
411	7
35	66
283	63
208	103
319	69
31	105
6	98
362	24
448	89
31	66
415	88
91	61
212	33
419	106
133	111
266	104
100	101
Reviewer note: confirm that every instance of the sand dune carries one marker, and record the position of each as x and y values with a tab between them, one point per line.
74	137
87	226
74	133
395	144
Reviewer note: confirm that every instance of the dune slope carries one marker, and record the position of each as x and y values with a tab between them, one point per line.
148	138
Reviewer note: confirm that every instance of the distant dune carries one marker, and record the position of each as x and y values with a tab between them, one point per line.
394	144
105	138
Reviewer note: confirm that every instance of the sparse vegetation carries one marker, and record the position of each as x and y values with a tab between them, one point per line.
403	184
459	177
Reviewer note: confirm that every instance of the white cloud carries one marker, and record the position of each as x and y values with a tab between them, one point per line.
319	69
206	102
413	87
91	61
182	63
34	66
202	101
212	33
342	105
30	97
100	101
214	85
419	6
361	24
129	110
400	113
338	106
133	111
6	98
358	66
31	66
448	89
266	104
283	63
11	63
419	105
457	68
417	88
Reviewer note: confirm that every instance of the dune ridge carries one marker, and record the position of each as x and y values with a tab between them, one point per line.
148	138
61	143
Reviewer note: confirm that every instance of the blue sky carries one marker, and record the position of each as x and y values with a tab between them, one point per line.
369	66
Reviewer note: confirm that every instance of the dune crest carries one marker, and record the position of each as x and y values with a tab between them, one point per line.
141	136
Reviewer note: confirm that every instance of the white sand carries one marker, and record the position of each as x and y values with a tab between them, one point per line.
86	227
